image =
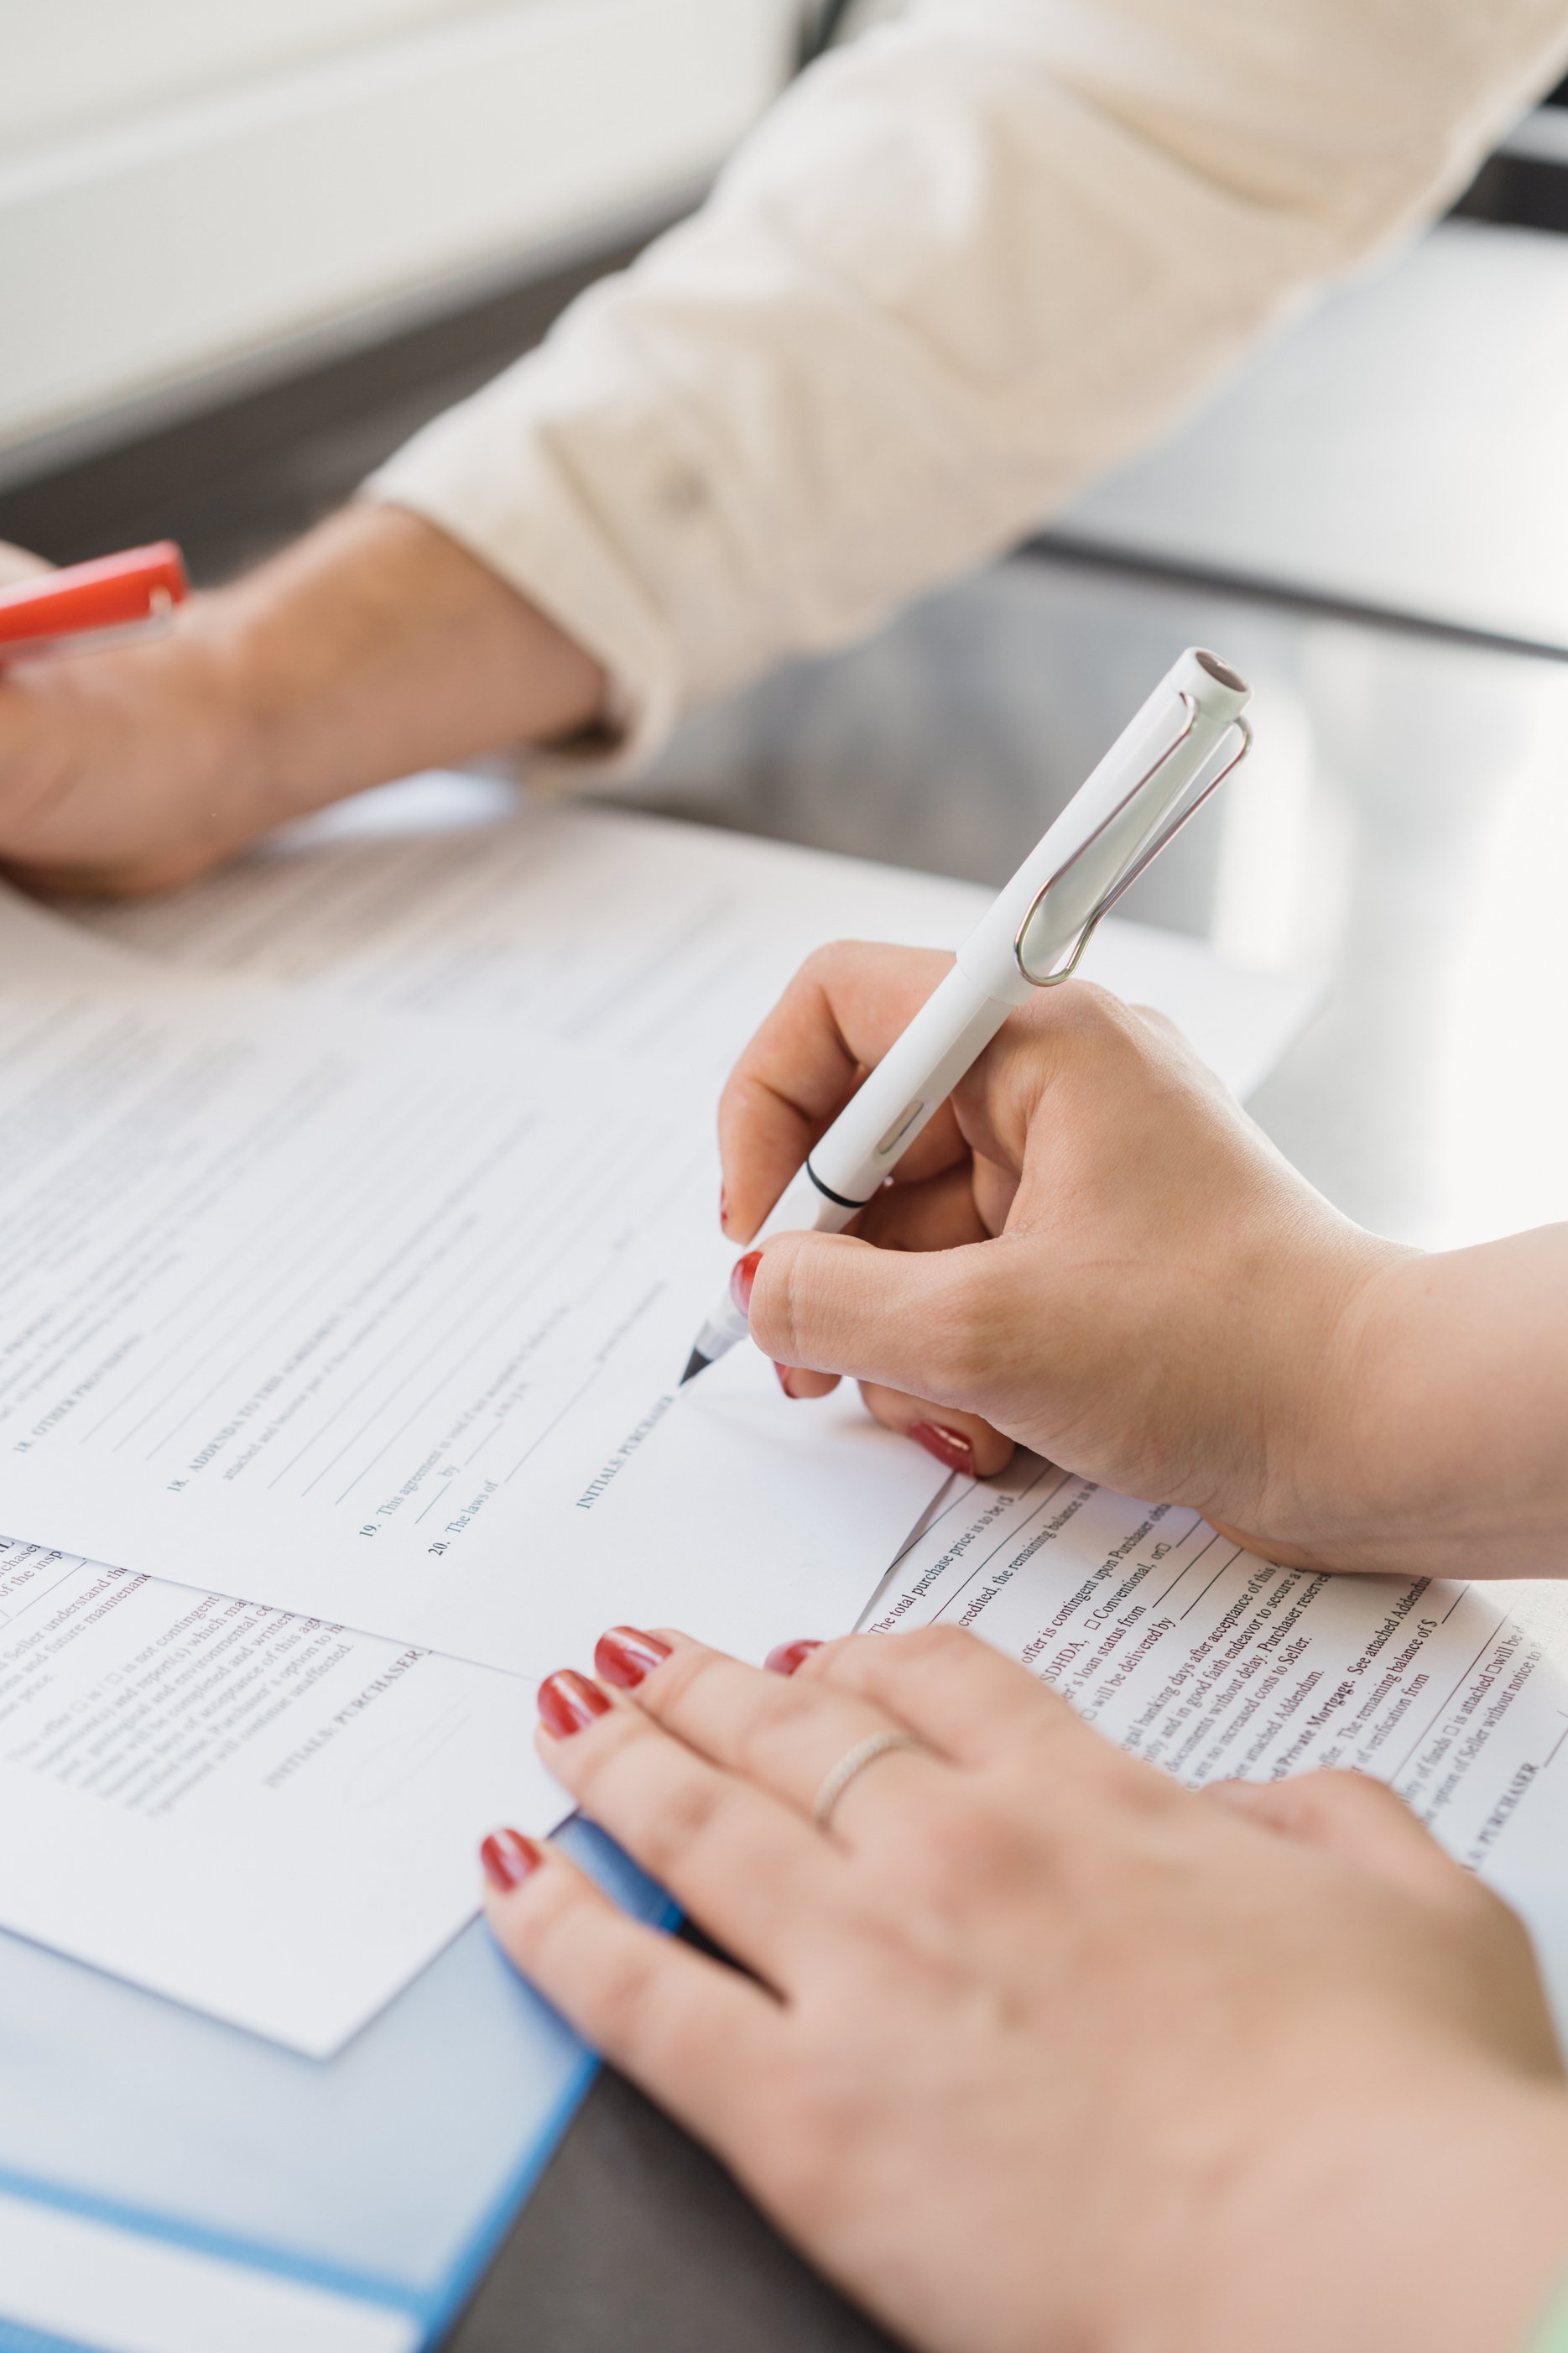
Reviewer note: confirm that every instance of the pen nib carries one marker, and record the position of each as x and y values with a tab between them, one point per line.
696	1363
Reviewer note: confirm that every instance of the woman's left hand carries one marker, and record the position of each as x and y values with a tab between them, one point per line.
1036	2048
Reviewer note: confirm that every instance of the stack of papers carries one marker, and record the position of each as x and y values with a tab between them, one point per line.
171	2185
358	1209
356	1214
1214	1664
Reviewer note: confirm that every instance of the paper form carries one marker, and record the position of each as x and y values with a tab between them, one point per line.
385	1326
1214	1664
267	1817
270	1816
442	897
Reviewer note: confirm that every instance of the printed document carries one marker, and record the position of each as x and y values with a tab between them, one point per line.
365	1319
385	1326
267	1817
1214	1665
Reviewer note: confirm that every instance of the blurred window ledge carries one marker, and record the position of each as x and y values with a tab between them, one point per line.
254	204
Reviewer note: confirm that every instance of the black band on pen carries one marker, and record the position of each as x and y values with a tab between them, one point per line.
828	1194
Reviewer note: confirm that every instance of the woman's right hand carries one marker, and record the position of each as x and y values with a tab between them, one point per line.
1091	1250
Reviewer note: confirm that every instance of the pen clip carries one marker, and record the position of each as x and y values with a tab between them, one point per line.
1145	857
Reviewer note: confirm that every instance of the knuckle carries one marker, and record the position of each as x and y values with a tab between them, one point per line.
1094	1007
1483	1905
619	1985
1079	1024
683	1699
1478	1924
925	1646
669	1688
966	1844
1474	1908
626	1996
1346	1799
762	1738
1155	1018
540	1915
962	1860
792	1279
598	1754
1339	1792
1097	1021
824	965
686	1813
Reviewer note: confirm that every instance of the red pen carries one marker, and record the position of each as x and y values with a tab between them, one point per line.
111	602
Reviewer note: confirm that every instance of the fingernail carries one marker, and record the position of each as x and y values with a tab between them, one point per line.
743	1275
724	1205
567	1701
507	1858
626	1654
788	1656
949	1446
786	1377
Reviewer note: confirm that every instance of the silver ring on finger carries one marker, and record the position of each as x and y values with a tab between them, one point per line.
851	1765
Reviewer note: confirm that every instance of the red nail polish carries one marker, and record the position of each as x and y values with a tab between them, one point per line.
788	1656
626	1654
786	1377
724	1205
949	1446
507	1858
743	1275
567	1701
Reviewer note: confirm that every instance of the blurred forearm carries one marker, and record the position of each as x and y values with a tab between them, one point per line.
377	645
1453	1388
374	645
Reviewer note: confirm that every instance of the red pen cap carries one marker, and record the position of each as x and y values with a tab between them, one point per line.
133	592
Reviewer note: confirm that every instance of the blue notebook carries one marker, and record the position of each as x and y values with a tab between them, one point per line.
171	2184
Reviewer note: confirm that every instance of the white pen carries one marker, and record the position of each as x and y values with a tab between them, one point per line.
1141	794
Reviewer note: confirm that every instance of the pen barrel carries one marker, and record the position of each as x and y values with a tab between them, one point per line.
905	1092
803	1208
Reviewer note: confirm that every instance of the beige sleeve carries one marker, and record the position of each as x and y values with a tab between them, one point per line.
960	267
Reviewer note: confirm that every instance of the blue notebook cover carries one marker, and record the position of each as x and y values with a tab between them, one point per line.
169	2184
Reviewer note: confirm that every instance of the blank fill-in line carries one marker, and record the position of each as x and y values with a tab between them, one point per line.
1191	1565
1214	1580
1013	1535
1447	1696
575	1398
537	1240
299	1276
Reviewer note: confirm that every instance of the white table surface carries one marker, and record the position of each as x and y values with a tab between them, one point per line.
1405	445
